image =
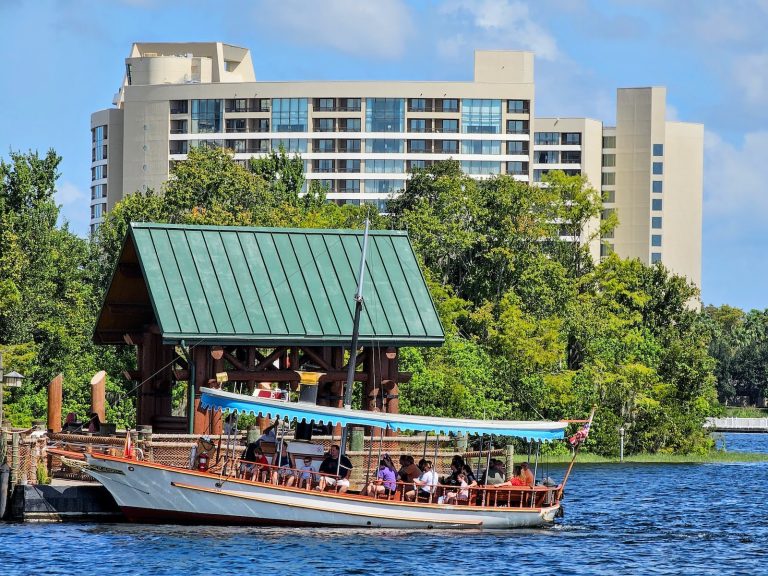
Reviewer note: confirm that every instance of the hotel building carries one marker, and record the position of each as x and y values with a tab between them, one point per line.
360	139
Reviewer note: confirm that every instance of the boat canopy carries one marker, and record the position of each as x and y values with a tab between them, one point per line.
304	411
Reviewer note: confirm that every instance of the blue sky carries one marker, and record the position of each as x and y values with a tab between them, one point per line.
63	59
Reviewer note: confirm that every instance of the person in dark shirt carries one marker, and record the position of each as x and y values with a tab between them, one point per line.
337	471
408	470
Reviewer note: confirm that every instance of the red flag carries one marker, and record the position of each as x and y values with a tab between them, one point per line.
128	446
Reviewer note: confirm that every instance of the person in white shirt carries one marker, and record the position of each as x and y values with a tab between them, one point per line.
424	486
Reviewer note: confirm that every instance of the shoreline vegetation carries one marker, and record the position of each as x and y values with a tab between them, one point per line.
712	457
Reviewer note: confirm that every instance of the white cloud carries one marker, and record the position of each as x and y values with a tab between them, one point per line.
735	194
749	72
380	29
500	23
69	193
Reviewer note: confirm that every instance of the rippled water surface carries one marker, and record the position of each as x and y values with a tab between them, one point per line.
619	519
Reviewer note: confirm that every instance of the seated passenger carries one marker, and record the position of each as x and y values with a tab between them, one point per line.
307	475
408	470
283	474
385	482
424	486
471	480
526	472
494	475
460	496
518	478
338	471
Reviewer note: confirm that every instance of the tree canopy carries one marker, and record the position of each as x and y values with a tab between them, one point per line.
534	327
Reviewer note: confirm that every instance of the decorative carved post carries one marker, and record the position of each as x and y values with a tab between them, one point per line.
54	403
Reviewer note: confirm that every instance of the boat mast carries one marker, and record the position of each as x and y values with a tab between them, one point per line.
355	335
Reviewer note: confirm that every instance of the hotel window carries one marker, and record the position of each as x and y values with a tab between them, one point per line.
99	150
383	186
480	167
349	165
416	164
656	204
658	149
178	126
609	141
417	125
570	157
606	249
547	157
99	172
258	125
236	125
325	104
518	168
349	125
349	104
658	168
608	179
538	175
385	115
419	105
447	105
517	147
656	222
383	166
98	191
480	116
289	115
324	145
417	146
655	257
206	116
655	239
609	160
349	145
349	186
237	146
324	125
657	186
450	126
236	105
517	126
179	106
323	166
384	146
290	145
609	196
517	106
571	138
178	147
481	147
446	146
546	138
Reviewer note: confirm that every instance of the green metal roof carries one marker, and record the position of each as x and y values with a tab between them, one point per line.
268	286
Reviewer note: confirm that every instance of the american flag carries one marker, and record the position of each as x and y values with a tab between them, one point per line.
580	436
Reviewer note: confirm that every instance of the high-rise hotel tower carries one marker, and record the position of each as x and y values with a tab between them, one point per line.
361	139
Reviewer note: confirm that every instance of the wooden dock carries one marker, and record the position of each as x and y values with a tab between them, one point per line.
757	425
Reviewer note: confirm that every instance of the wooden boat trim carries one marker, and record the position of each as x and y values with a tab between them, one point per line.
260	498
332	495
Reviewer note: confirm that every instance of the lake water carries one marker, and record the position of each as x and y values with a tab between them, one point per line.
619	519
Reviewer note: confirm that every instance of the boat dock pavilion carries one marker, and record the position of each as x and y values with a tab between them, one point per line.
259	304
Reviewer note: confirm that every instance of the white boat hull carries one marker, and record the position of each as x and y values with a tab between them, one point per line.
155	493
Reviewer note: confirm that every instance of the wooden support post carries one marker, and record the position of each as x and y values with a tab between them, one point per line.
54	403
98	391
15	458
200	356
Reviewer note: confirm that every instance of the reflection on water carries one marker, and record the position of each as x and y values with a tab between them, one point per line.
620	519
